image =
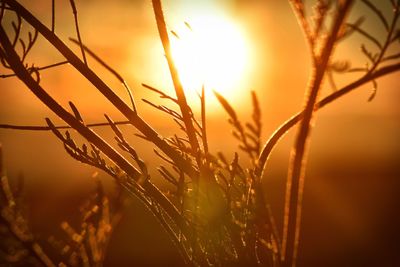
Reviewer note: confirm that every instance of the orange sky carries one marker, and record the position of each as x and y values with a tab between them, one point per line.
351	134
125	36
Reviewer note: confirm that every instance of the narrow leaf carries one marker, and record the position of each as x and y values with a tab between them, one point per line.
225	104
374	90
75	111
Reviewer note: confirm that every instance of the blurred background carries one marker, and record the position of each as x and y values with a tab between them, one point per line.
351	215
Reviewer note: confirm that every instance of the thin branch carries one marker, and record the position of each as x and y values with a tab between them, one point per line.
132	116
185	110
109	68
365	34
391	57
388	40
17	29
31	69
161	93
47	128
31	42
285	127
165	109
203	121
299	10
377	12
369	55
75	12
25	76
53	15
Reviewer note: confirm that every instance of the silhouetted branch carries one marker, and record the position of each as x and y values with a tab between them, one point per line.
378	13
25	76
284	128
132	116
31	69
46	128
185	109
113	71
75	13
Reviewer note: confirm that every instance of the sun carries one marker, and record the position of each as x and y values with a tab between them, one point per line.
211	51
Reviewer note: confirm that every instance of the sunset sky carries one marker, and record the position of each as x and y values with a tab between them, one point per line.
232	47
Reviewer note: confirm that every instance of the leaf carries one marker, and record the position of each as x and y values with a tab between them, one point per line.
234	164
374	90
175	34
30	37
167	175
84	149
256	106
228	108
14	26
72	153
68	135
23	45
222	158
188	25
252	129
75	111
54	130
368	54
114	127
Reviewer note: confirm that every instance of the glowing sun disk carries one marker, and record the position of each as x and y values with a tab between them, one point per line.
211	51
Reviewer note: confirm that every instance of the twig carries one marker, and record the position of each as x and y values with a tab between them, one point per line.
299	10
377	12
185	110
365	34
388	40
53	15
75	12
133	117
203	121
47	128
25	76
391	57
285	127
161	93
108	67
37	68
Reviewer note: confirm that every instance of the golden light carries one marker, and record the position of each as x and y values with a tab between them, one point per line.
212	50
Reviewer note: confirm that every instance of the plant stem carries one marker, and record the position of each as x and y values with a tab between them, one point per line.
295	181
285	127
14	61
180	93
132	116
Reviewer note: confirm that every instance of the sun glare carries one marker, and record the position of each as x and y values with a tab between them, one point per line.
211	51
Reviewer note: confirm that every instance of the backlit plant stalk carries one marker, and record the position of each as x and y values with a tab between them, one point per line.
296	173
